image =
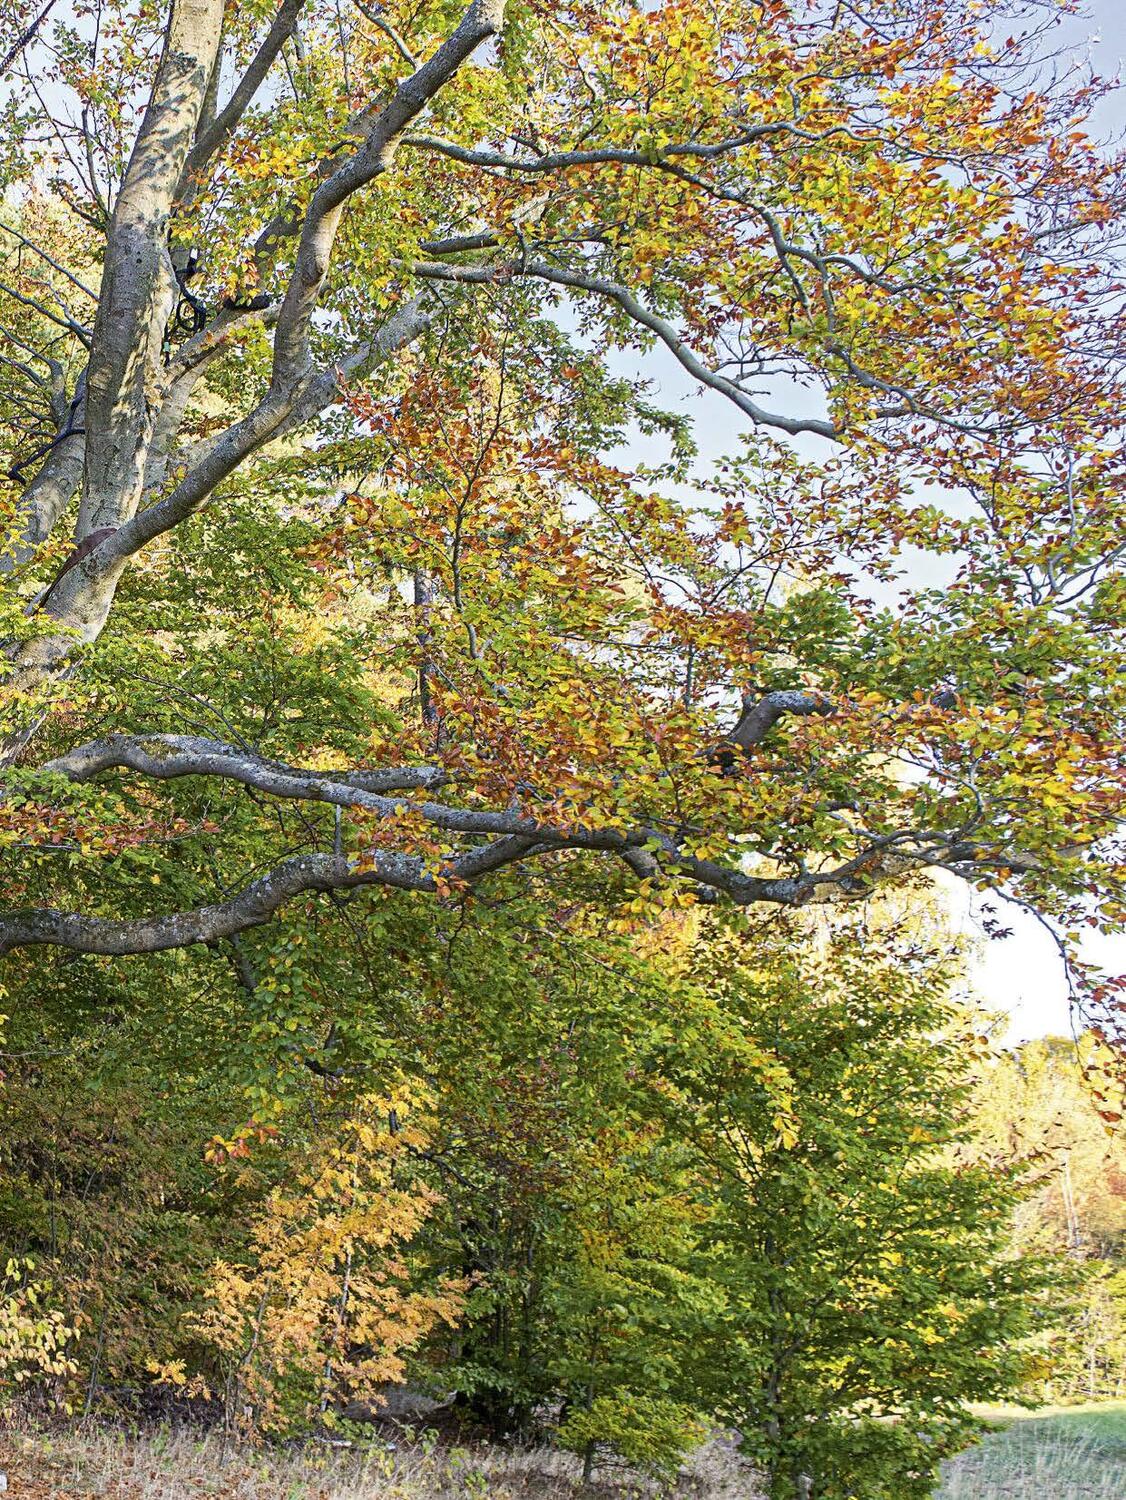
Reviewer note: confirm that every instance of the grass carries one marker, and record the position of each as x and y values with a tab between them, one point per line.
92	1463
1067	1453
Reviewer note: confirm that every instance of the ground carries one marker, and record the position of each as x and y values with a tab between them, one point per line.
1070	1453
113	1465
1076	1453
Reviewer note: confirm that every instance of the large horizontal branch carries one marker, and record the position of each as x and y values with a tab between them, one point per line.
257	902
497	839
322	873
166	757
317	873
170	757
252	906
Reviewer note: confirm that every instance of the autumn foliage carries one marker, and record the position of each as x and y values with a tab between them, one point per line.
406	691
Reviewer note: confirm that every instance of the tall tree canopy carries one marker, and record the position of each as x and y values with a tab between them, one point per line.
311	316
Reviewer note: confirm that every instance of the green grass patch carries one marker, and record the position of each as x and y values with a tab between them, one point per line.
1065	1453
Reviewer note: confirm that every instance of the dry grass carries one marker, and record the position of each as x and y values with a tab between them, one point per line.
1073	1454
81	1464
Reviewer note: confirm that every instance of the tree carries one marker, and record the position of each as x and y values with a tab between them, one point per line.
704	1171
353	273
1036	1102
732	1180
862	1247
322	1314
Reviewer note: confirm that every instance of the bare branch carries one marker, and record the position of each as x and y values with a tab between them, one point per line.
639	313
81	332
558	161
25	37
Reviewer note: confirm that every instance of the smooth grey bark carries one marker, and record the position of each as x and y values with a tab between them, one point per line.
217	130
52	489
481	842
133	404
126	378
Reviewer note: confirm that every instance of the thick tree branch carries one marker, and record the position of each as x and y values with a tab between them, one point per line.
138	288
313	873
510	838
761	714
255	904
218	132
280	411
322	873
169	756
51	491
481	21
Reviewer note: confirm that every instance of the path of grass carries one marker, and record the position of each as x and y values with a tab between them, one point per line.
1070	1453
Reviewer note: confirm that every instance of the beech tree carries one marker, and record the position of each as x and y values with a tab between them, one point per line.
370	275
